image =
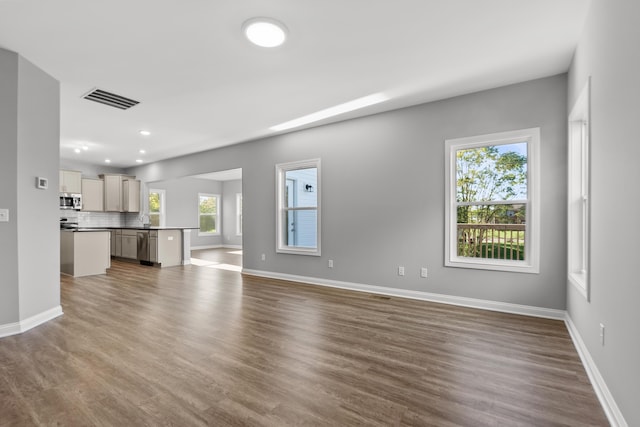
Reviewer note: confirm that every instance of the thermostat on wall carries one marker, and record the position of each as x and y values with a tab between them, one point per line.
42	183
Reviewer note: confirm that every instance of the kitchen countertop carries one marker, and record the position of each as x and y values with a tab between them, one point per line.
128	228
83	229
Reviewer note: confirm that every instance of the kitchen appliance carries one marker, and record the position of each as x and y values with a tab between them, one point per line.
143	247
70	201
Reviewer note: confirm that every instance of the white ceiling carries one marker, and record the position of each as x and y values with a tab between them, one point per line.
228	175
201	85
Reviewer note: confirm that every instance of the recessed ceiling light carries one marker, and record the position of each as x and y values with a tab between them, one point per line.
85	148
107	161
77	150
145	133
265	32
138	160
142	151
332	111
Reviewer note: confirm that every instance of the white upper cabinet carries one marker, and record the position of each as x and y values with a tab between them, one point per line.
70	181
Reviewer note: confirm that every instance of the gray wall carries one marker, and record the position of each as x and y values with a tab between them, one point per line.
608	52
181	200
383	193
229	210
9	307
29	243
88	170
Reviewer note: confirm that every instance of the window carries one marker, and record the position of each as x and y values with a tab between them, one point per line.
298	207
578	194
239	214
492	211
157	208
208	214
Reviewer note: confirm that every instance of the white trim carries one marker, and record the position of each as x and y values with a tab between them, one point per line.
532	250
615	417
239	203
195	248
504	307
30	322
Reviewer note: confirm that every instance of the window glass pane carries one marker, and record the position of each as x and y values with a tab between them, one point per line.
301	188
208	205
494	172
300	228
154	202
207	224
492	231
154	220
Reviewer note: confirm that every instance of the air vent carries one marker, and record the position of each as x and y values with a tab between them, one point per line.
111	99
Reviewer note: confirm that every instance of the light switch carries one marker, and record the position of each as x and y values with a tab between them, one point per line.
4	215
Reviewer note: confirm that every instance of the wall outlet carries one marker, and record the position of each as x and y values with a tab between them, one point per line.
400	270
423	272
263	257
330	263
4	215
602	334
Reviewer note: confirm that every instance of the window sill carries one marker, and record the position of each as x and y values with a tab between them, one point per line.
495	265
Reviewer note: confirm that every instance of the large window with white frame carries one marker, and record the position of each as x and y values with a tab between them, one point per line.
157	207
208	214
298	207
578	194
492	212
239	214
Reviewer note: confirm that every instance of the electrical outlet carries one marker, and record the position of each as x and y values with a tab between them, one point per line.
423	272
4	215
602	334
330	263
400	270
264	257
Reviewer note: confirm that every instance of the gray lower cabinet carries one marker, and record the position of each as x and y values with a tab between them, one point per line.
153	246
116	242
129	244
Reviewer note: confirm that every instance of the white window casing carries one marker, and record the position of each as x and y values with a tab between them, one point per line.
531	263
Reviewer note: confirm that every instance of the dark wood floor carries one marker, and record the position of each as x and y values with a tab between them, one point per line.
193	345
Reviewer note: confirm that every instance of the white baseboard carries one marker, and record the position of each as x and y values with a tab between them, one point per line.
616	419
195	248
29	323
504	307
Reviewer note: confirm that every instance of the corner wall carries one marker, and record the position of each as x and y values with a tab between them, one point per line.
608	52
30	241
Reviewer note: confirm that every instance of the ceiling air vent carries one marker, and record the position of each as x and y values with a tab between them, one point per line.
107	98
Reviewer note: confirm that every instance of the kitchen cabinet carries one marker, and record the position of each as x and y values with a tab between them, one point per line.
116	243
129	244
153	246
70	181
169	247
131	195
92	195
121	193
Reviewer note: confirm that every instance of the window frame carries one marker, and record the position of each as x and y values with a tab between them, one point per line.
532	231
217	215
162	196
578	193
238	214
281	170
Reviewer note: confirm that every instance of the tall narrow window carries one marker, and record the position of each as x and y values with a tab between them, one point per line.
208	214
298	207
578	194
492	211
239	214
157	217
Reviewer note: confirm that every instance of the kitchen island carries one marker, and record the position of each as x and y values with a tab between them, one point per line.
161	246
84	251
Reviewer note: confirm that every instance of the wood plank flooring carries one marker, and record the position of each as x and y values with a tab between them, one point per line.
196	345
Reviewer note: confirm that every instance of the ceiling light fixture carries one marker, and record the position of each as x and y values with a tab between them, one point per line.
77	150
144	133
85	148
265	32
107	161
356	104
142	151
138	160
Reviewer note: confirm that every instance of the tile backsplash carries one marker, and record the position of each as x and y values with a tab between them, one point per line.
103	219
